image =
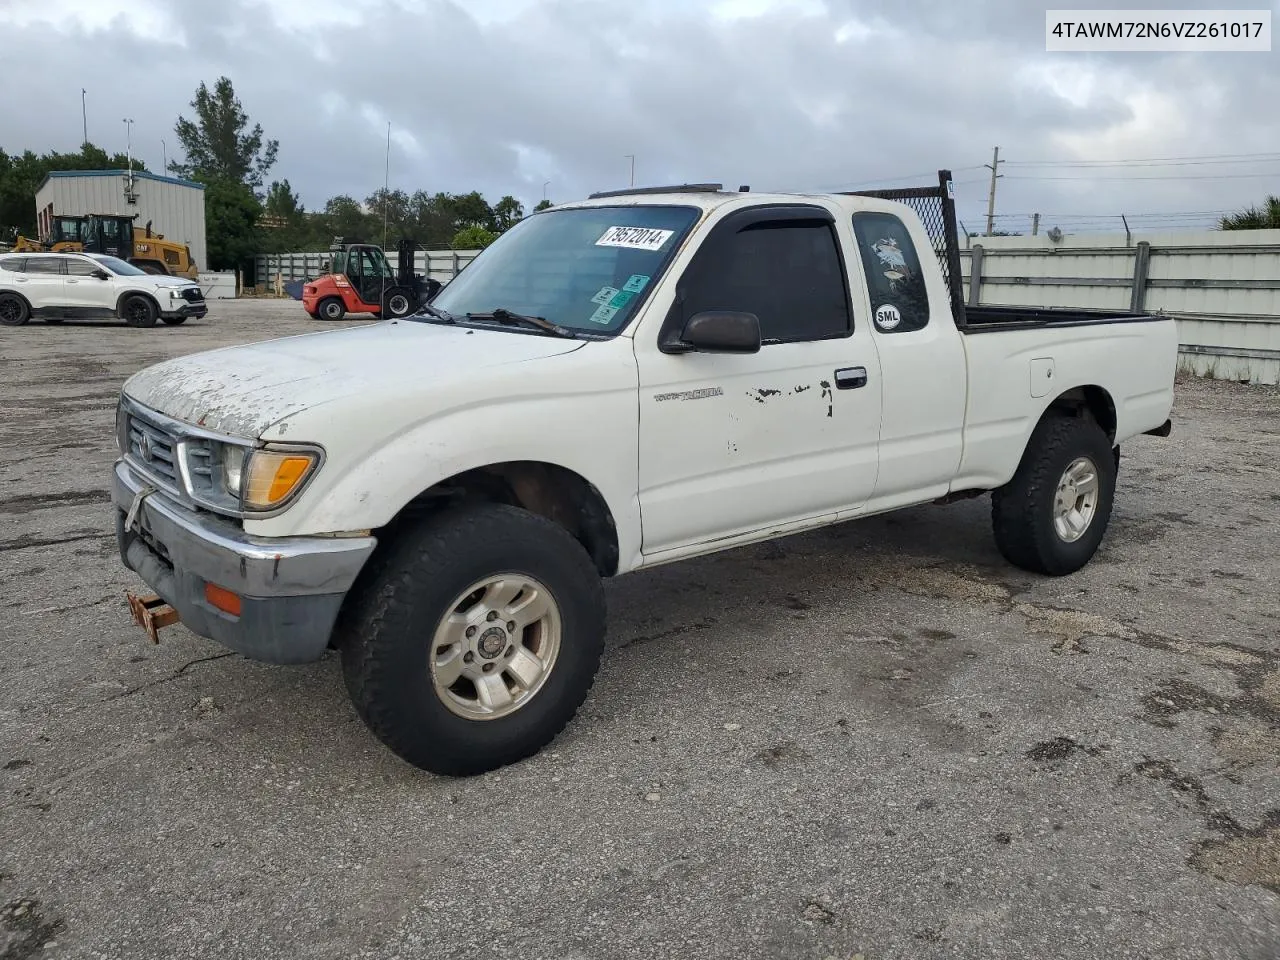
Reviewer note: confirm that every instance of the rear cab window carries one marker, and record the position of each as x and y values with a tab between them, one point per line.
899	299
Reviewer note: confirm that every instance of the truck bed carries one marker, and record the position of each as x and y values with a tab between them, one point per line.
989	319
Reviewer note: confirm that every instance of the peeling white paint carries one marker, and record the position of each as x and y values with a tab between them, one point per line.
243	390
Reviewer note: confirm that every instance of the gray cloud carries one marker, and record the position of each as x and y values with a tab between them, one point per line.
803	95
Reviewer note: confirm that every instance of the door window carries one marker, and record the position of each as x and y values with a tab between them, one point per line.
81	268
12	264
788	272
899	300
44	265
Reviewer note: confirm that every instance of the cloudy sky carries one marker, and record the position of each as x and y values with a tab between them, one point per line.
504	95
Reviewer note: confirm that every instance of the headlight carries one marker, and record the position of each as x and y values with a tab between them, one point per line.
232	468
175	293
273	476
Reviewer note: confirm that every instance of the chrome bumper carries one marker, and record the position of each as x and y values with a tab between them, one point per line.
291	587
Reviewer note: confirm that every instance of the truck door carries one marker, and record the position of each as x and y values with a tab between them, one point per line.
734	443
922	360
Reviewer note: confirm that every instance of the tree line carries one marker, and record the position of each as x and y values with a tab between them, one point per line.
246	215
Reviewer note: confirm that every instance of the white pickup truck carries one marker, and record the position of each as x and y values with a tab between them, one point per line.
614	384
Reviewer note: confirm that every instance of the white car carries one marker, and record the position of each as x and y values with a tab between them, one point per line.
614	384
87	286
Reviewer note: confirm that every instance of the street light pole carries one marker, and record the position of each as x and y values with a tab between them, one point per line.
632	158
544	191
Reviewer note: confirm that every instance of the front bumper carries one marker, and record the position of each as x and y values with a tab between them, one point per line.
196	310
291	587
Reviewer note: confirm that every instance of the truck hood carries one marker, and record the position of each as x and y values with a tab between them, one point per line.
241	391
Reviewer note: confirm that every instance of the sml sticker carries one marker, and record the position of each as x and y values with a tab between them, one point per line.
887	316
604	313
604	295
637	283
635	238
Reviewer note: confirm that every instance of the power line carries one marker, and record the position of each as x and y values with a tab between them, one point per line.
1203	158
1208	176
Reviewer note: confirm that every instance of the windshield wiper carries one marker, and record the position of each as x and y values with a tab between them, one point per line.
444	316
503	315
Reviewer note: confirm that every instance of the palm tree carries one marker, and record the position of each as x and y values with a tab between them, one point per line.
1267	217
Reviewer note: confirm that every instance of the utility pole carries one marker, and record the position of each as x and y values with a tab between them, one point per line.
84	117
164	152
632	158
1035	224
991	197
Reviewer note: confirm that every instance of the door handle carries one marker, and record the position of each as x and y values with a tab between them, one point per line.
850	378
72	280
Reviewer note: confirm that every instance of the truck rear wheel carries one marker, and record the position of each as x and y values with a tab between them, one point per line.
331	308
1051	517
473	638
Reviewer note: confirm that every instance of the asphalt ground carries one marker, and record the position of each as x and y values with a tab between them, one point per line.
875	740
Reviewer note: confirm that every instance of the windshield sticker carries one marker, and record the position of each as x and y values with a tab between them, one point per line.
604	313
891	257
887	316
635	238
637	283
621	298
604	295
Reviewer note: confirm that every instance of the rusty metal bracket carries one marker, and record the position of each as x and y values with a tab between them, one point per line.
151	613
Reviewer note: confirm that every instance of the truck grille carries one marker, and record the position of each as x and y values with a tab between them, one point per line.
154	450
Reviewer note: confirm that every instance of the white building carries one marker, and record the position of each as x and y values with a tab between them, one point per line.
174	207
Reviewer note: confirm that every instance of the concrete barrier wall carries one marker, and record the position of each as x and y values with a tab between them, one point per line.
1222	286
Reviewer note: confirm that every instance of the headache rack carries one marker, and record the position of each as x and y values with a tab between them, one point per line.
936	208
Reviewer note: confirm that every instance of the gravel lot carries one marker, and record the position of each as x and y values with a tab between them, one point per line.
877	740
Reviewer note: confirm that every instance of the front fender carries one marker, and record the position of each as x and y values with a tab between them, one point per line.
580	414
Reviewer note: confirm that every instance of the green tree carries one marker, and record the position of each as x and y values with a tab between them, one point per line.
22	173
507	212
283	202
1266	217
471	210
473	238
216	143
543	205
344	217
231	217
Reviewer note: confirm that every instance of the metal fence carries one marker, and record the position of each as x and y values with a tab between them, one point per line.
1223	287
442	265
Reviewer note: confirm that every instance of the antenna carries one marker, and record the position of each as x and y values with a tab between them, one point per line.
129	195
386	209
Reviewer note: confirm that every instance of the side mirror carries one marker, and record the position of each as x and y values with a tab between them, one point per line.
722	331
102	274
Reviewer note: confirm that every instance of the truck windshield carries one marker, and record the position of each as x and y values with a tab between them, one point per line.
586	268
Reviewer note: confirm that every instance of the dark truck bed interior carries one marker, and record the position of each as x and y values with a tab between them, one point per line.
936	208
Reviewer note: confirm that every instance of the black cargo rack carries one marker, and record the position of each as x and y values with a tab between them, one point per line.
936	207
676	188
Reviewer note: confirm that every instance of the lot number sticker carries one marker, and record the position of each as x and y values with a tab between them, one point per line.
634	238
605	295
887	317
637	283
604	313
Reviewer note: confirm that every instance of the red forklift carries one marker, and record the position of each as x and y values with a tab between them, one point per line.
359	279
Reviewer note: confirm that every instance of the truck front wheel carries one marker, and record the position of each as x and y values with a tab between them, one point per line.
473	638
1051	517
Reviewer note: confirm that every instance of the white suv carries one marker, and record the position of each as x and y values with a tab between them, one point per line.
58	286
